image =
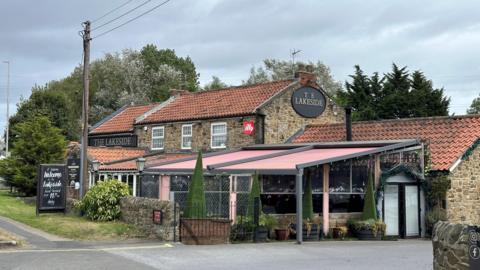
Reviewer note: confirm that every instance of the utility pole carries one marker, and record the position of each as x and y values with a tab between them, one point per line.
86	84
293	53
7	153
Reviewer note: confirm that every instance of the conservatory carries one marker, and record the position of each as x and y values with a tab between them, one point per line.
338	172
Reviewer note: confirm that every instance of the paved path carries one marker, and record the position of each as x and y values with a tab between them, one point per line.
49	252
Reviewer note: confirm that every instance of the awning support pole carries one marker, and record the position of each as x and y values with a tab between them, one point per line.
299	190
326	207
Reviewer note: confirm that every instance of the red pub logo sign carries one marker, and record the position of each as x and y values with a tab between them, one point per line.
248	127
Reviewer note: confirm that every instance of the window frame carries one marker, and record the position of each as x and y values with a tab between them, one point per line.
225	134
185	136
158	137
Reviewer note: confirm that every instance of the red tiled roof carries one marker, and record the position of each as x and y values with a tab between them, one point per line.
233	101
123	121
132	165
447	137
109	154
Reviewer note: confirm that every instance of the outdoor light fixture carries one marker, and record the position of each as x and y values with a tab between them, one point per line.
96	165
140	164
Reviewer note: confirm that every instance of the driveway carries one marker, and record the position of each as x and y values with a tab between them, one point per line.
49	252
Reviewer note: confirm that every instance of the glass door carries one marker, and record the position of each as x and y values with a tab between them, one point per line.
391	209
411	211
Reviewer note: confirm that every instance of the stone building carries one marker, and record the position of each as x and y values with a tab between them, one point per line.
450	146
207	121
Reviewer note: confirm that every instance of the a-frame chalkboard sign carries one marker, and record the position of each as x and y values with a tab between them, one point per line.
51	188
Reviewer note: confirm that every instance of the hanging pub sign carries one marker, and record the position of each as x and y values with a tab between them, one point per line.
51	188
248	127
308	102
128	140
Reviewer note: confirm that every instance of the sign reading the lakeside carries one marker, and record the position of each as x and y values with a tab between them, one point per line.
73	165
128	140
308	102
474	247
51	187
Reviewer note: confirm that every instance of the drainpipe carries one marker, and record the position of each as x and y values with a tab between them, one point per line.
348	122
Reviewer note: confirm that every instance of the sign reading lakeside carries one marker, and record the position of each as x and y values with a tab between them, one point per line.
128	140
51	188
308	102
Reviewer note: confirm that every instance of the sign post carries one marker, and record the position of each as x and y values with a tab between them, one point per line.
51	188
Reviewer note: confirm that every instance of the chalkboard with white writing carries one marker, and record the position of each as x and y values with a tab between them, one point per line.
51	188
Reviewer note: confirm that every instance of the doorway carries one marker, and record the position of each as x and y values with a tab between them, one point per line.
402	209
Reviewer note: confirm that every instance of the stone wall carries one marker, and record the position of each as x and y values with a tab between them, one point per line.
139	212
463	199
201	135
281	120
450	246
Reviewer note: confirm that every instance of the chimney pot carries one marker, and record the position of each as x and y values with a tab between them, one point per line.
177	92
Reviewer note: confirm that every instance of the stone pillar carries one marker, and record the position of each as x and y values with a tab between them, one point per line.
326	204
164	187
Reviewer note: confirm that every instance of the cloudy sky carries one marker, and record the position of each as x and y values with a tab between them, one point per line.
226	38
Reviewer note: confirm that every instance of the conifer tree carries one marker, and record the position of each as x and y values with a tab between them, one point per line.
196	207
254	193
307	199
369	207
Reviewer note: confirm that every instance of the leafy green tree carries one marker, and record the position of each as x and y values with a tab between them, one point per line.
7	170
475	106
53	104
307	199
369	207
254	193
196	207
37	142
273	70
216	83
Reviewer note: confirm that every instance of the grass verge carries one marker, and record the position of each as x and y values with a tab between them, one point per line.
67	226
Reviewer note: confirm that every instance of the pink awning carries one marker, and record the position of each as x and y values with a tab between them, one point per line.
211	160
290	161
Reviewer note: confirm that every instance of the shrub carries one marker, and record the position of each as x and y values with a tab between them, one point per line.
254	193
369	207
433	216
196	207
376	226
102	201
308	200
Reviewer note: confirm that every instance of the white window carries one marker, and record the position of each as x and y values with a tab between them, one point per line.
219	135
187	136
158	136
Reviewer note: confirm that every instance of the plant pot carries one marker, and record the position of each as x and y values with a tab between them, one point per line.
282	234
313	234
368	235
260	235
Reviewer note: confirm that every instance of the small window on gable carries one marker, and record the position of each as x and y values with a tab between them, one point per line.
158	138
187	132
219	135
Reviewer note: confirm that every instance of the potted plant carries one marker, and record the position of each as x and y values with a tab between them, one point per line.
340	232
311	229
311	225
369	227
282	231
270	222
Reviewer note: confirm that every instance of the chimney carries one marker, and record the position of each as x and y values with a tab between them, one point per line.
177	92
348	122
305	75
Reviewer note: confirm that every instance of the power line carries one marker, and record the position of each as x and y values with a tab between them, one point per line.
111	11
120	16
144	13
